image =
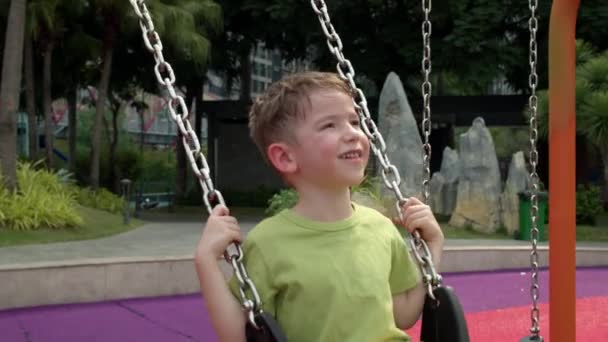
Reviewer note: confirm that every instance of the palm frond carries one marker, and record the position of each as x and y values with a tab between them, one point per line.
42	15
542	113
593	118
584	51
177	23
196	48
595	71
207	14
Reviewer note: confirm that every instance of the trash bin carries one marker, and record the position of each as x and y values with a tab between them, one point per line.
525	219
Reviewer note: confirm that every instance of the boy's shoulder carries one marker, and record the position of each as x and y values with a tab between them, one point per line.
378	221
372	214
267	227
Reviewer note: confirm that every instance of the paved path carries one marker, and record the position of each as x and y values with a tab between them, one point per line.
184	318
160	239
173	237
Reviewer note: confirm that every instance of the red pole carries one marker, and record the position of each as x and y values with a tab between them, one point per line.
562	204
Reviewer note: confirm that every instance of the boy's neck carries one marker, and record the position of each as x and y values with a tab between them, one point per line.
324	204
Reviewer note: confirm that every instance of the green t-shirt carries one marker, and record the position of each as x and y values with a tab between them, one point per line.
330	281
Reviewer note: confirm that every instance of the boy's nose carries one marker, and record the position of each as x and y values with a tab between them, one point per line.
352	133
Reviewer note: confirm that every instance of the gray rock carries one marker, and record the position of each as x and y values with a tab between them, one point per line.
517	181
444	184
399	129
479	187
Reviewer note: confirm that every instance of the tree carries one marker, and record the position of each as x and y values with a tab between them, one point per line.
189	51
10	90
44	27
176	20
591	101
75	67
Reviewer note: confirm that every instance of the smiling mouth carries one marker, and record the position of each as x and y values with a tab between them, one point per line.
351	155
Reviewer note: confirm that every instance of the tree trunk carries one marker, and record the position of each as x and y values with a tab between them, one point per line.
47	100
198	122
181	174
32	122
72	129
9	91
102	92
114	170
182	170
198	106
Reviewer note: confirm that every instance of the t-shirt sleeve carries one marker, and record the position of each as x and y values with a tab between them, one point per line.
257	271
405	274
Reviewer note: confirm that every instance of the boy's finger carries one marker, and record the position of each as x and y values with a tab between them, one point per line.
220	210
236	236
412	201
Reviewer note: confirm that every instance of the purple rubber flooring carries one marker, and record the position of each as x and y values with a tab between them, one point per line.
184	318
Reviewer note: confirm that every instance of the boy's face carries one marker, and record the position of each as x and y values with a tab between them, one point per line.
331	150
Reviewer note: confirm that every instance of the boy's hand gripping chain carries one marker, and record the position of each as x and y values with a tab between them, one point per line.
390	174
211	196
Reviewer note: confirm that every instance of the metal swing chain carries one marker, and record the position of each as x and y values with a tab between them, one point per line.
211	196
390	174
534	178
426	98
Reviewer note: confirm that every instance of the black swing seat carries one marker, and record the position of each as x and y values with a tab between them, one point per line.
532	338
269	330
443	320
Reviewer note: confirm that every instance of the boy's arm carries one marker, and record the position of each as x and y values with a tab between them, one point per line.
408	305
225	311
227	318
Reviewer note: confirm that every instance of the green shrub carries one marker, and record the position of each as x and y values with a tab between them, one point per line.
588	204
287	198
41	201
101	199
284	199
128	161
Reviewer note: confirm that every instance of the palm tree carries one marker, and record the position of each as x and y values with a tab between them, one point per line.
43	26
175	20
46	26
593	121
591	101
189	51
30	95
9	91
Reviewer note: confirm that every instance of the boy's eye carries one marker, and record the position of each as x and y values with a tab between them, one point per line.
328	125
355	123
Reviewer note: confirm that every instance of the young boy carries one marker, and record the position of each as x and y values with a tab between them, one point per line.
326	269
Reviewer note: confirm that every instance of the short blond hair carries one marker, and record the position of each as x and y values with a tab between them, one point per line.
273	113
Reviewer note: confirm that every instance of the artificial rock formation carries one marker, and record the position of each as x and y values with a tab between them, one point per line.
479	187
404	145
444	184
517	181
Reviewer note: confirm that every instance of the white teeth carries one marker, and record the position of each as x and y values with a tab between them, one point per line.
350	155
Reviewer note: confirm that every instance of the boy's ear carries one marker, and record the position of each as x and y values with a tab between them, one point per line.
281	158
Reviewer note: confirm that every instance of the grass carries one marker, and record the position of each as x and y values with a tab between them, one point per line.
597	233
97	224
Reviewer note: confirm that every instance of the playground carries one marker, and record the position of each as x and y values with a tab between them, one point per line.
525	255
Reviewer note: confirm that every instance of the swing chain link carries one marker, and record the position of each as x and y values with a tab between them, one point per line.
389	172
179	112
534	178
426	97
